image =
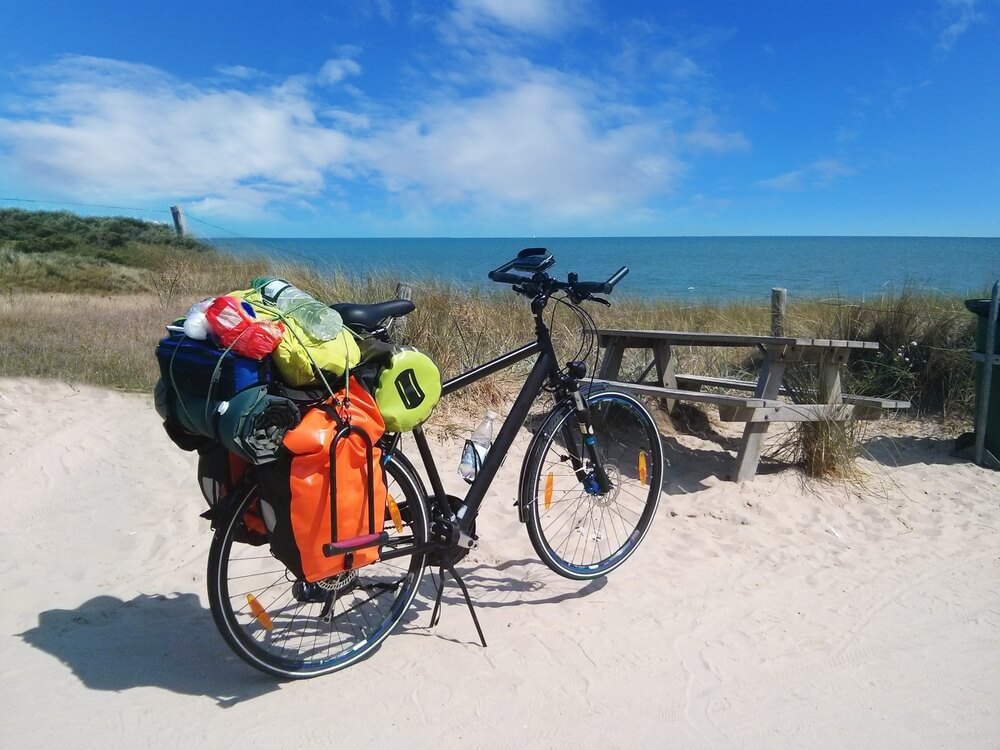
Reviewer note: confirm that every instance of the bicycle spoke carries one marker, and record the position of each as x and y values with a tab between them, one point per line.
286	632
581	533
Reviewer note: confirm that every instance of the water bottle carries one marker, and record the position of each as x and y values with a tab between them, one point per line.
475	449
316	319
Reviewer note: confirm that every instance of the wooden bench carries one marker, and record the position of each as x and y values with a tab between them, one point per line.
763	407
866	407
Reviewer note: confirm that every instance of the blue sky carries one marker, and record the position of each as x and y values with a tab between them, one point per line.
511	117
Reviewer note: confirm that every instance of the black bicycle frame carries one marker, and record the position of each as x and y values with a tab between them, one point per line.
463	512
544	367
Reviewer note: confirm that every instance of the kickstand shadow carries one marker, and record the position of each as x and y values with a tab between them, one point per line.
159	641
492	587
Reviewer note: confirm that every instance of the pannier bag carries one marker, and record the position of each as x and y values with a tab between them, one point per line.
408	389
326	491
219	471
297	351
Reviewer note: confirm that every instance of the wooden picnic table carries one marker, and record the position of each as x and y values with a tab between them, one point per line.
759	410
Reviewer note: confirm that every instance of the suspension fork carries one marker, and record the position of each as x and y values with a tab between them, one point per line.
599	483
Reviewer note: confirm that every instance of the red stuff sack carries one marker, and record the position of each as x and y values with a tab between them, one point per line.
303	500
234	324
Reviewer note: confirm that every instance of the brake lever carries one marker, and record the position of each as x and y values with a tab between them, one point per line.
601	300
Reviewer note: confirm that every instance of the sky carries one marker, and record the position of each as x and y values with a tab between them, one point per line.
512	118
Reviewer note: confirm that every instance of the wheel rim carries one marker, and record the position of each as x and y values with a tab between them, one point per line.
295	629
585	533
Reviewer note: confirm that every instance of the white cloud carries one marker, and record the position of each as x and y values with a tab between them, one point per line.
534	146
239	71
705	136
959	16
337	69
533	142
820	173
103	128
536	17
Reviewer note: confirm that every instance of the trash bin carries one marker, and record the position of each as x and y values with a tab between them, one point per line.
981	308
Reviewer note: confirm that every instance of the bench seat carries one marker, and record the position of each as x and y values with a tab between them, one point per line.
868	402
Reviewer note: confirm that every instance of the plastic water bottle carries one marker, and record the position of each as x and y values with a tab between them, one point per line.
474	453
317	319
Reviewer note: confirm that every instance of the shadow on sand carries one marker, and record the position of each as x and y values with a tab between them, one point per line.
908	451
493	587
159	641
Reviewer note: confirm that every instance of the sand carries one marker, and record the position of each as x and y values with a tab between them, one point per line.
774	614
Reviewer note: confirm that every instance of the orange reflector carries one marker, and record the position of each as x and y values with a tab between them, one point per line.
260	613
642	468
397	518
548	491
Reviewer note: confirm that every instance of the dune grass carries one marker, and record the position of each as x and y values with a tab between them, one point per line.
86	299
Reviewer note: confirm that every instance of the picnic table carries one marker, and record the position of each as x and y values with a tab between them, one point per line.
764	406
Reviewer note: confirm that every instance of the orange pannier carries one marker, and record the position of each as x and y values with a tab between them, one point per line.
310	495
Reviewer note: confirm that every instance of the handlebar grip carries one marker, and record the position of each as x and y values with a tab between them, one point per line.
601	287
502	277
620	274
592	287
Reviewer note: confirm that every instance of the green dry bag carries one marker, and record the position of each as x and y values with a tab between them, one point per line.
408	389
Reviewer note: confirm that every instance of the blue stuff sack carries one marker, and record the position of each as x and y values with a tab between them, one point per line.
200	368
198	375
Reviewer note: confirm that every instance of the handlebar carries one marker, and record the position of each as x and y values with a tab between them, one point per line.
539	282
501	276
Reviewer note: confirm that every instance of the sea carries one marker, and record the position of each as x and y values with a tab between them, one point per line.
699	269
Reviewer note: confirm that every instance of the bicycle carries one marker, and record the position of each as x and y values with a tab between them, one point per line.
588	491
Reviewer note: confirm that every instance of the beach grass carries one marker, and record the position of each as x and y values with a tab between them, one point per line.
91	305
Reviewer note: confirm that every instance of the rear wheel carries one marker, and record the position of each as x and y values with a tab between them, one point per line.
577	531
295	629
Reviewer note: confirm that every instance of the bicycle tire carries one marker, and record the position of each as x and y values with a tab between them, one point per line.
562	516
291	640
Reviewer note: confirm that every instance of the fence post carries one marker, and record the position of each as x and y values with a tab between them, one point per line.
779	297
180	223
403	291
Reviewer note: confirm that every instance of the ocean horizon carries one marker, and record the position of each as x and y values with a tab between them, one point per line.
698	269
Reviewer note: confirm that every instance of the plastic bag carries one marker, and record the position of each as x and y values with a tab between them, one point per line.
234	325
195	322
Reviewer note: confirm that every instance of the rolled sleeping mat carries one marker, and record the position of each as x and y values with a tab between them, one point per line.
253	423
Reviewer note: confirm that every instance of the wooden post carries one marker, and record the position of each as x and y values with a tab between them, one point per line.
663	358
779	297
403	291
768	386
180	223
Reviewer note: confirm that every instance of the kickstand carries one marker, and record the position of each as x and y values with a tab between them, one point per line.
436	613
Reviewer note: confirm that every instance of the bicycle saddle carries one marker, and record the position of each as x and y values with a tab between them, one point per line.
368	317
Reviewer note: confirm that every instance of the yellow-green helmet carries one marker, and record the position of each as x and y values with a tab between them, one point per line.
408	389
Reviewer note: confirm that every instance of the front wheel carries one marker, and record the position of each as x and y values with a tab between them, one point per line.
293	629
577	531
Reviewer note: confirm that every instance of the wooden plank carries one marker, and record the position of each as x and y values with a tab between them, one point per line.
733	383
829	377
611	364
818	353
664	361
696	338
787	413
681	395
749	385
874	403
748	456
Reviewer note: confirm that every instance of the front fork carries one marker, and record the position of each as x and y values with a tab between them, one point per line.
597	482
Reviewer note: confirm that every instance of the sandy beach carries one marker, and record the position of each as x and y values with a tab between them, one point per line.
778	613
